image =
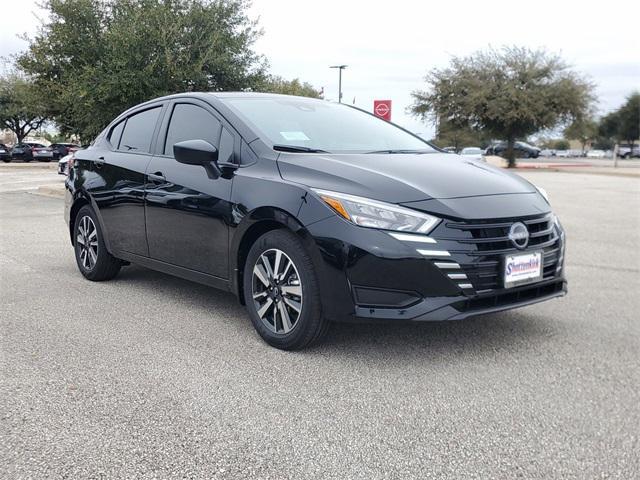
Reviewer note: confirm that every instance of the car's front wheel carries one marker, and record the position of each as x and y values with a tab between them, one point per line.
92	257
281	292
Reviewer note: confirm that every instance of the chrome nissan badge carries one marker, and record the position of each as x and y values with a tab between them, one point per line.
519	235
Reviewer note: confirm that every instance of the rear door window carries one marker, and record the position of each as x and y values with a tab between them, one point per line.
138	131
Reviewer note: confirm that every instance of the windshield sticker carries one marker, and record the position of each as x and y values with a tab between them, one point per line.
293	136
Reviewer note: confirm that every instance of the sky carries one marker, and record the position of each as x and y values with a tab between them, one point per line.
389	46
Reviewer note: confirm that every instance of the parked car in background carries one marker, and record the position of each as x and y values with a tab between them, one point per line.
475	153
44	154
62	149
449	149
562	153
522	149
596	154
628	152
5	153
24	150
64	163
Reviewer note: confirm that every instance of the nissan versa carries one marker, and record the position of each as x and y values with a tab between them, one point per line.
309	212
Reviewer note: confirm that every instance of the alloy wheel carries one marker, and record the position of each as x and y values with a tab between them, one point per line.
277	291
87	240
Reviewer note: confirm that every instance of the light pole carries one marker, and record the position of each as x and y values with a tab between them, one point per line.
340	68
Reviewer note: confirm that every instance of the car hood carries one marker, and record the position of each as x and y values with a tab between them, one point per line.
400	178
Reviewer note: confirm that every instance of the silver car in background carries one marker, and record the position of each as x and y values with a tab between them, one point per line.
474	153
63	164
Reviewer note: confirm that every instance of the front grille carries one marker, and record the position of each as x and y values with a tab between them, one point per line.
483	244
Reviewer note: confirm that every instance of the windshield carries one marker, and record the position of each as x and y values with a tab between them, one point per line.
471	151
322	125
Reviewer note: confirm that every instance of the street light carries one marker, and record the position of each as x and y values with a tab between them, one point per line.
340	68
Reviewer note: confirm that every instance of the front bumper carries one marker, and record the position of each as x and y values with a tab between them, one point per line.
367	274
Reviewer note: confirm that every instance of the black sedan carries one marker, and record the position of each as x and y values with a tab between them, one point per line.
63	149
521	149
309	212
24	150
5	153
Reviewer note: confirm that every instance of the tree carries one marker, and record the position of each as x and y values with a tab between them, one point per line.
511	93
276	84
622	124
555	144
629	119
21	109
95	58
450	135
583	129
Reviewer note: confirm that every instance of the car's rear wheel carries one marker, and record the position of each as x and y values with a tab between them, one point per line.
92	257
6	160
281	292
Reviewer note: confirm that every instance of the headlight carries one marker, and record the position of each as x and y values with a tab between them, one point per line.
373	214
543	192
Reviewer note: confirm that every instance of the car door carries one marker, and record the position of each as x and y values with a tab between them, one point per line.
187	213
119	187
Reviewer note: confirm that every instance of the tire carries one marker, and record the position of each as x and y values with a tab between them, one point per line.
298	322
95	263
6	160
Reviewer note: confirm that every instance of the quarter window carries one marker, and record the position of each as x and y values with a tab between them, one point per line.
116	133
138	131
190	122
225	152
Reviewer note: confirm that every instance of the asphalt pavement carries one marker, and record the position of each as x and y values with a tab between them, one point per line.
149	376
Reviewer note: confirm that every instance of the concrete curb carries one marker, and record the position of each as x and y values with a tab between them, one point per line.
53	165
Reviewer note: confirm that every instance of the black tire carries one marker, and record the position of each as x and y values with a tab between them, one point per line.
105	266
310	326
6	160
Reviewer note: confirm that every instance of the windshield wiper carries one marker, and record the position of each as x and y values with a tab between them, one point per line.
296	148
400	151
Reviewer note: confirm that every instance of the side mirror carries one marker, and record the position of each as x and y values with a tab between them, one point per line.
198	152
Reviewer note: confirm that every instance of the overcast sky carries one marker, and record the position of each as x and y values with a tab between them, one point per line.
390	45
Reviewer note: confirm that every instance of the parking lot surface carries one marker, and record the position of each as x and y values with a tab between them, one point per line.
149	376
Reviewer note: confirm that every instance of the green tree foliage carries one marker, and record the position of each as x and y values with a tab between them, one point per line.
557	144
584	129
276	84
629	126
622	124
510	93
448	135
21	108
95	58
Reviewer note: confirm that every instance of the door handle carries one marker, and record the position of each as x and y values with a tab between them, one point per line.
99	162
156	177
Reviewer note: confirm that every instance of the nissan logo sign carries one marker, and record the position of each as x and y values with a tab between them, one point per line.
519	235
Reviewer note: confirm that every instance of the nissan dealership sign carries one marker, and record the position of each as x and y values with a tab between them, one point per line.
382	109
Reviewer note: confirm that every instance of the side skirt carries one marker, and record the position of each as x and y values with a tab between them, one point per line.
186	273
